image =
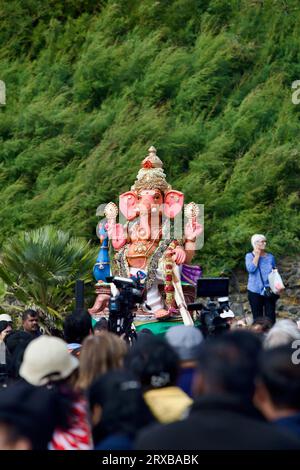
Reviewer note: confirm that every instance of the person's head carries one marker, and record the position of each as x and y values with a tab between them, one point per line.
117	405
6	317
228	365
258	241
119	347
30	321
16	343
47	360
185	340
283	332
239	324
261	325
153	361
77	326
100	326
98	355
278	385
144	331
5	329
28	417
228	317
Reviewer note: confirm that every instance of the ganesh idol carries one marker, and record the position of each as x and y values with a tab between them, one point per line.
143	248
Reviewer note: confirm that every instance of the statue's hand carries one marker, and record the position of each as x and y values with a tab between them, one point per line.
178	255
100	304
192	230
116	234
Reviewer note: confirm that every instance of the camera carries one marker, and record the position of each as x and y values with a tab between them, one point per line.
213	316
121	306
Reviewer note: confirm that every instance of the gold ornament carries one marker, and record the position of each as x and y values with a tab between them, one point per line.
111	211
151	175
191	211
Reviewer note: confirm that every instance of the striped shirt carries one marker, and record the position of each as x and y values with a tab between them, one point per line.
78	436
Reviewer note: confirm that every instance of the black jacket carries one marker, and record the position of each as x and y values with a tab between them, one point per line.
217	423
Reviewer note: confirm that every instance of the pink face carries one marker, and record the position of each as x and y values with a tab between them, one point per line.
132	204
149	198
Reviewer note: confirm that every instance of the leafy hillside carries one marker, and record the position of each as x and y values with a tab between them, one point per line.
91	84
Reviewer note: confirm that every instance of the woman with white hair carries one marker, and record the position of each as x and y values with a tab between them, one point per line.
259	265
284	332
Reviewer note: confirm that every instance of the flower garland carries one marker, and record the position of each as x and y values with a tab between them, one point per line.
169	287
123	267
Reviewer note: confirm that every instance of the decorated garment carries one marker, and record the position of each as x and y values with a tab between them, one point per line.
78	436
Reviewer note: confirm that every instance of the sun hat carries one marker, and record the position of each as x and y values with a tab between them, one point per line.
46	359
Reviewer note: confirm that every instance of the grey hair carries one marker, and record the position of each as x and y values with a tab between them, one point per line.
283	332
256	238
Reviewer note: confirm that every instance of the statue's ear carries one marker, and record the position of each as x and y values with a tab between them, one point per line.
173	203
127	204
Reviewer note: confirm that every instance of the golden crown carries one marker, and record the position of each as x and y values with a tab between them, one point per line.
151	175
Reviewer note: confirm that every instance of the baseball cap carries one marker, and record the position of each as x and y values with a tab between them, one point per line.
185	340
47	359
227	314
5	317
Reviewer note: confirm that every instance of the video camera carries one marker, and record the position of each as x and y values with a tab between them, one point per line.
213	315
121	306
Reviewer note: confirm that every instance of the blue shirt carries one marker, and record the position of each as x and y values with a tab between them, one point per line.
290	423
185	379
266	264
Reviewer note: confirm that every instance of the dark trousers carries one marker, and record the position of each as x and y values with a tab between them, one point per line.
262	306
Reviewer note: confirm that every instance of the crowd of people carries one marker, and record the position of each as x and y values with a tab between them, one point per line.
90	390
236	387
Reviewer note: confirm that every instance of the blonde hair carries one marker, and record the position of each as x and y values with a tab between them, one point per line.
98	355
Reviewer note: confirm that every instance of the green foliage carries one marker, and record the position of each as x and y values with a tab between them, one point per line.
2	291
91	85
40	268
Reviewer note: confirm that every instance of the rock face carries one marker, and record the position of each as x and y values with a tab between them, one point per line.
288	306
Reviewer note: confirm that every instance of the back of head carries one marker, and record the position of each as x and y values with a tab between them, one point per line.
185	340
283	332
46	359
17	339
228	364
77	326
144	331
29	414
153	361
120	397
99	354
261	325
101	325
16	344
279	371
